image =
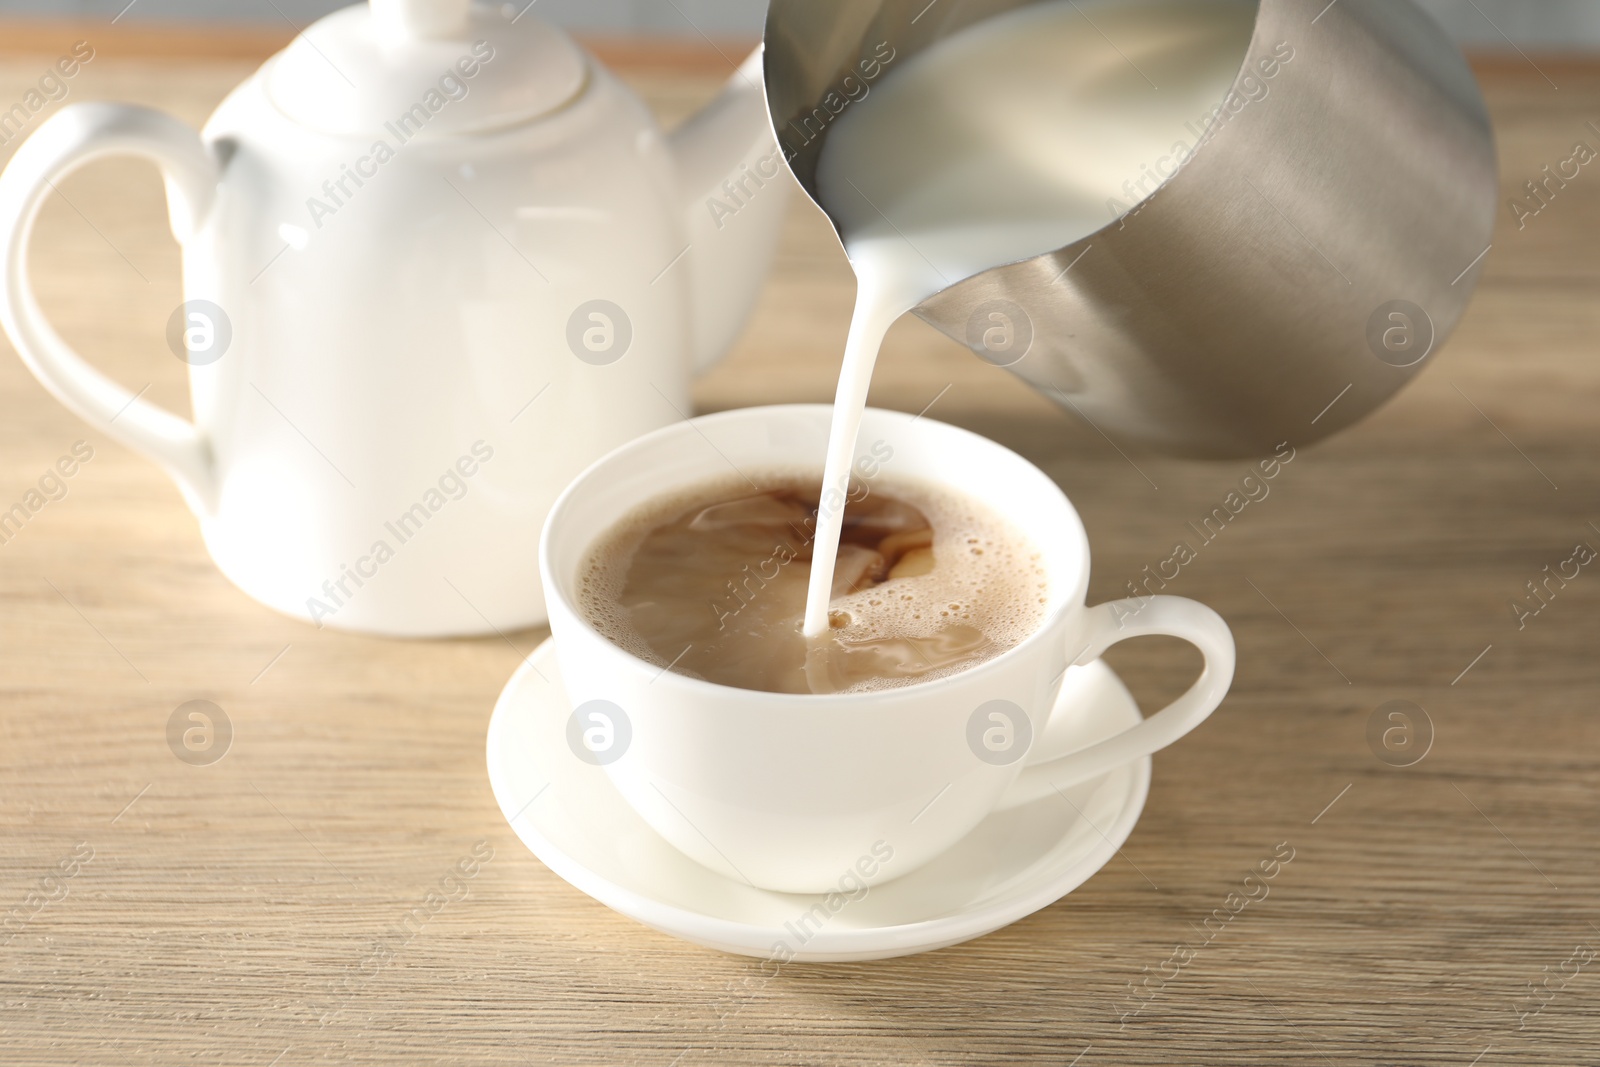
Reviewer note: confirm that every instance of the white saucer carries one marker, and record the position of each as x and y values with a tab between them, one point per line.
1017	861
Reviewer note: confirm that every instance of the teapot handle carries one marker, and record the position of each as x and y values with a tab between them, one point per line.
75	136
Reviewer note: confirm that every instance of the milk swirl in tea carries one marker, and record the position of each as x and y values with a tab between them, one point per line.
712	582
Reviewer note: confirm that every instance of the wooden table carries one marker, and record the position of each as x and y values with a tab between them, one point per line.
222	903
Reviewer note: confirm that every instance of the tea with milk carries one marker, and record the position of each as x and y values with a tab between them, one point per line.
711	582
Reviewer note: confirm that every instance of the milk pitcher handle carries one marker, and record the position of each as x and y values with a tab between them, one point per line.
1108	624
77	135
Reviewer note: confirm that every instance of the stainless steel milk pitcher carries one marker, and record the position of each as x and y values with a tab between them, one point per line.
1308	257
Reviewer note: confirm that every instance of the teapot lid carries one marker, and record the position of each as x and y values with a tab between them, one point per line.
430	68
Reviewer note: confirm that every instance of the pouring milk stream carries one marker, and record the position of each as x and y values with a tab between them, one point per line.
999	143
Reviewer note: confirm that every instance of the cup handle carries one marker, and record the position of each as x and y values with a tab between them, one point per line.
1117	621
75	136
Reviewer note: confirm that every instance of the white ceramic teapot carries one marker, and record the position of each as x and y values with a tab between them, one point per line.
436	261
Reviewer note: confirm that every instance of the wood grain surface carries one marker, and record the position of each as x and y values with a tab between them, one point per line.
212	913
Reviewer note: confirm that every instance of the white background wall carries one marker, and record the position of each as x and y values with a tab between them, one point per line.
1561	24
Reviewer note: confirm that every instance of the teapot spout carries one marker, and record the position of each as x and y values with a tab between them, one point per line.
734	188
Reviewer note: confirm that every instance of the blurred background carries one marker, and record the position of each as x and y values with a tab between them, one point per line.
1566	25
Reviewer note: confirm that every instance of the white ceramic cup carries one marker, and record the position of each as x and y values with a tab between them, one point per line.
794	792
